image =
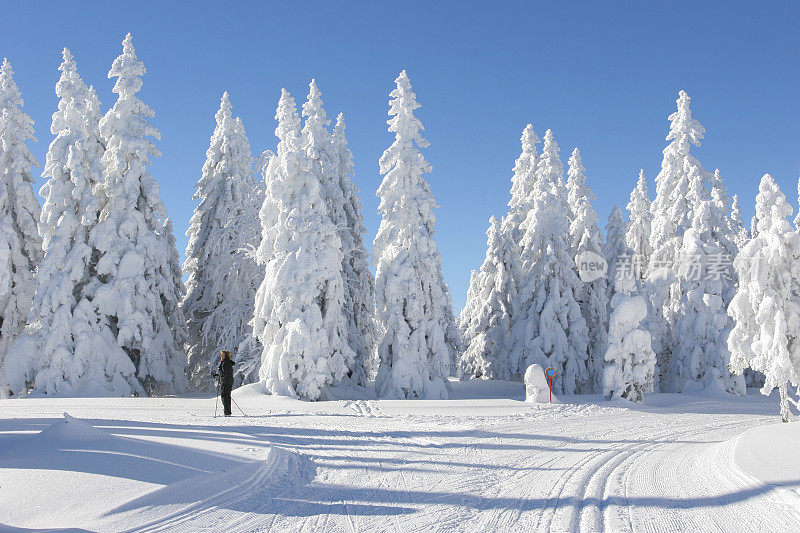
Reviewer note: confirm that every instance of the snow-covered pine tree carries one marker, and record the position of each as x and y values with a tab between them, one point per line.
585	237
740	235
53	355
487	315
413	306
222	275
337	190
616	250
549	329
139	289
630	361
701	357
299	316
638	236
521	184
766	309
20	243
359	281
672	211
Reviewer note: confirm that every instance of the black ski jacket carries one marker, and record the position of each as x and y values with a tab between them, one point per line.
226	373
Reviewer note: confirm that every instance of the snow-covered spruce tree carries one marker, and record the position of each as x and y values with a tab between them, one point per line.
487	315
766	309
331	165
630	360
672	211
638	236
740	235
413	305
299	305
55	355
616	251
222	276
521	184
359	281
138	291
20	243
701	357
586	237
549	329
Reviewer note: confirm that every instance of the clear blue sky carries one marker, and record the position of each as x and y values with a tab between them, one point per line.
603	75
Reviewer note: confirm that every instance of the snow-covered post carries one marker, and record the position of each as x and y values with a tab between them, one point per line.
413	305
766	308
222	274
139	289
587	241
549	329
299	316
20	243
487	315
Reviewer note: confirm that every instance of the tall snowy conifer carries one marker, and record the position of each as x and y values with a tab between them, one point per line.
139	287
616	251
20	243
701	358
585	237
413	304
53	356
766	308
672	212
549	329
222	275
630	360
487	315
359	281
299	316
740	235
522	184
638	236
332	168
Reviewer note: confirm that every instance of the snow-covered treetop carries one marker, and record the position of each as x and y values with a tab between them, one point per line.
16	122
127	120
73	159
403	165
584	217
683	128
524	168
772	209
615	245
549	167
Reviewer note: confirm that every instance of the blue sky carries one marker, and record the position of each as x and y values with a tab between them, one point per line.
603	75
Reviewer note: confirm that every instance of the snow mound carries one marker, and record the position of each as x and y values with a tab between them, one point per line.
769	454
536	388
172	502
73	429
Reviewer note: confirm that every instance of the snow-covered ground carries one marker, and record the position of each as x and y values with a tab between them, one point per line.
482	461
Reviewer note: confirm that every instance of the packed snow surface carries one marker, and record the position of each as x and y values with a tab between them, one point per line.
484	460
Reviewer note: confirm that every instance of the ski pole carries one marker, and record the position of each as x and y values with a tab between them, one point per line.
237	406
216	402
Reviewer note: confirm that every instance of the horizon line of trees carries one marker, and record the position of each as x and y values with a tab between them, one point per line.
92	299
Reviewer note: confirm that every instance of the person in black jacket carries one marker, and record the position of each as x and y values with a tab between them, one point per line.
225	371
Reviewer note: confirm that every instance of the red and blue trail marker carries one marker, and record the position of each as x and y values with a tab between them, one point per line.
550	373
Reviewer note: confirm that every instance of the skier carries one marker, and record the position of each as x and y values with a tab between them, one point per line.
225	373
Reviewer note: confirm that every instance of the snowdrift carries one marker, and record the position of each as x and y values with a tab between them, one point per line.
769	454
107	479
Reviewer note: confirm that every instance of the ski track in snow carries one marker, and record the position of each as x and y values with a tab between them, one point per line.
509	467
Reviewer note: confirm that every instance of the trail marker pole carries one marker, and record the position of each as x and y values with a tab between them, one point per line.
550	373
